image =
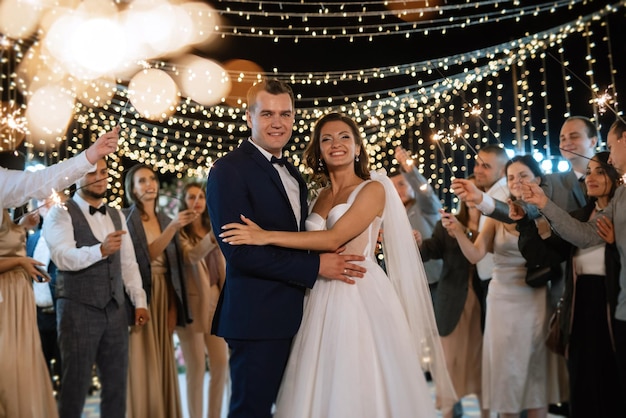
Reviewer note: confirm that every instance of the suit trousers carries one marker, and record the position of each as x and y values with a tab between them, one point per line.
88	336
256	368
47	324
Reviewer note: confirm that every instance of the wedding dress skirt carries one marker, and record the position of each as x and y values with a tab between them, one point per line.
354	355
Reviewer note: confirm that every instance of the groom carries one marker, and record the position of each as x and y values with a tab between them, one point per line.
260	307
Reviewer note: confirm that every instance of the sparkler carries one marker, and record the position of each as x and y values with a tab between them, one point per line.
477	111
12	122
54	199
57	200
602	100
436	138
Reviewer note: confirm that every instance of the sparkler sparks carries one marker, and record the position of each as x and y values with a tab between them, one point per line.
12	122
603	101
55	199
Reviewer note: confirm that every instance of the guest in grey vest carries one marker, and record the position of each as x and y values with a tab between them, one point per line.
96	265
153	378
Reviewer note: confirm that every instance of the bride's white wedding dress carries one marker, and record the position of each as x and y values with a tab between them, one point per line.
355	354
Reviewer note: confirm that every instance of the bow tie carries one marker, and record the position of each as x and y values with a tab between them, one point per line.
102	209
282	160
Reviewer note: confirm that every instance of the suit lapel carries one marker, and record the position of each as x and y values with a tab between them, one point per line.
268	167
577	189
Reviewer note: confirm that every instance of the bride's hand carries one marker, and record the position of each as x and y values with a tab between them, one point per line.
247	233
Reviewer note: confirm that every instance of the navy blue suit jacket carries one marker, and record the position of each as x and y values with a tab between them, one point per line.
265	285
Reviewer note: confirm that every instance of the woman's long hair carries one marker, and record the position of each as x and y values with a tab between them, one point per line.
313	155
188	229
129	189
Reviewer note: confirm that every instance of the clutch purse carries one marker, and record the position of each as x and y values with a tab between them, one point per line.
539	276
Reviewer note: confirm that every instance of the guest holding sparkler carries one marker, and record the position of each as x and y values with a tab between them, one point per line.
23	368
205	272
422	207
458	309
590	233
590	297
516	366
577	141
95	259
153	377
489	180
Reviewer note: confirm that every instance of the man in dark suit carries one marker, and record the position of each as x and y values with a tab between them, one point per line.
96	265
260	307
585	234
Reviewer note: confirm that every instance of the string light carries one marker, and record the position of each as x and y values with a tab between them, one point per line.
189	141
447	22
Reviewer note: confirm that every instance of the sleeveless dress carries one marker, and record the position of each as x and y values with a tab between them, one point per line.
25	387
517	368
152	373
353	356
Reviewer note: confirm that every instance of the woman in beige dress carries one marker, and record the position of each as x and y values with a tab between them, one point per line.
204	272
152	373
25	387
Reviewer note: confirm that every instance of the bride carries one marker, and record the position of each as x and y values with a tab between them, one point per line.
361	349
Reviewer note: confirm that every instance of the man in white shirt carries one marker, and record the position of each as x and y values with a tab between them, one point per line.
490	181
96	264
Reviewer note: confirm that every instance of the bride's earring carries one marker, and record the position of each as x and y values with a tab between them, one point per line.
356	158
320	164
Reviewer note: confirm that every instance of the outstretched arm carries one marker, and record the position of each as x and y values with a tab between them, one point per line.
368	204
473	251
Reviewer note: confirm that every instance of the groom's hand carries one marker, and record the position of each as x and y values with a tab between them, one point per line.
337	266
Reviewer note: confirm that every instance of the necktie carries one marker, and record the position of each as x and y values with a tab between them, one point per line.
102	209
281	161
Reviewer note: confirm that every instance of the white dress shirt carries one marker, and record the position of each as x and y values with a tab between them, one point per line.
43	295
59	234
499	191
16	187
289	183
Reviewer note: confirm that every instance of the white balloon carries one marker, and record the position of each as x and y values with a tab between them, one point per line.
204	19
95	93
18	18
202	80
153	93
49	111
97	47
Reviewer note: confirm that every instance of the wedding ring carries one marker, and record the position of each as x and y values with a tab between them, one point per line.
345	271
